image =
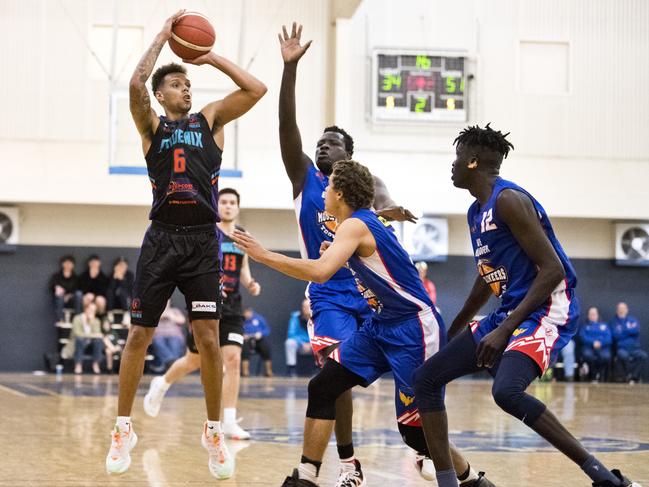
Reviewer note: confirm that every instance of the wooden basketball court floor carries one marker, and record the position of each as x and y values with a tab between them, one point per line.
56	433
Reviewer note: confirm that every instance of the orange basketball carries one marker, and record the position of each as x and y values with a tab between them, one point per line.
191	36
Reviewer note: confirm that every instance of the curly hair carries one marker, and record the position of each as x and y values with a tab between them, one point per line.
349	142
355	182
487	137
162	71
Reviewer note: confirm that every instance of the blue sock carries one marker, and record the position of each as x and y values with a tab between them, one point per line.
446	478
598	472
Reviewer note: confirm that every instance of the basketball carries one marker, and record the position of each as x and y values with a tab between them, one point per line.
192	36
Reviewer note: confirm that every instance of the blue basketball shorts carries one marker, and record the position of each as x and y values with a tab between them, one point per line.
378	347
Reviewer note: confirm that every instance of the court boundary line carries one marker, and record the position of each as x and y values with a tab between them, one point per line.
9	390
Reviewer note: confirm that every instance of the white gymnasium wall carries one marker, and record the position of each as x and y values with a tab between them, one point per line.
56	140
580	146
581	143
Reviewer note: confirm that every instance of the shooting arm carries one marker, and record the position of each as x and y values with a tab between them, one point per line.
250	91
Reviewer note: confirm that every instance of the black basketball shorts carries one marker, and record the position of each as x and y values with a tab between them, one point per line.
183	257
230	333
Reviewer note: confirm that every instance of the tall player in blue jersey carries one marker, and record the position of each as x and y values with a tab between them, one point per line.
181	248
521	261
336	306
403	331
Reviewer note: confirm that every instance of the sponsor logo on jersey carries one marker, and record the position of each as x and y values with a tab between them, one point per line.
496	278
181	136
181	187
204	306
194	123
405	399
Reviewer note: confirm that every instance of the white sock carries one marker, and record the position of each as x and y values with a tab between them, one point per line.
229	415
213	426
473	475
308	471
123	422
164	384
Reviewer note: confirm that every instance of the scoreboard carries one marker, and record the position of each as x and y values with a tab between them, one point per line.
418	86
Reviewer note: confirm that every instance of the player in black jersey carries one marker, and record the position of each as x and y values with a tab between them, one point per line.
180	249
236	271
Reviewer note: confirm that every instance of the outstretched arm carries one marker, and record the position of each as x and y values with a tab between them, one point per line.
517	211
386	207
250	91
144	117
296	162
348	237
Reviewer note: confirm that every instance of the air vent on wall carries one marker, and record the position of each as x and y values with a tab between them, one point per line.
632	244
8	227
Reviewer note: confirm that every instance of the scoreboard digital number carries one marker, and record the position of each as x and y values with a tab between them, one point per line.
418	87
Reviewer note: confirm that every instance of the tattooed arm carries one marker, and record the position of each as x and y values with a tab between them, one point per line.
143	115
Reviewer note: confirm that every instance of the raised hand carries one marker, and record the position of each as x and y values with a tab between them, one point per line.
292	51
166	28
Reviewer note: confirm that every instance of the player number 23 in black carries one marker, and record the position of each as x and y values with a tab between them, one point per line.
179	160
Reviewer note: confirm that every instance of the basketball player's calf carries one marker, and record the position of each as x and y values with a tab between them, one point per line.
515	372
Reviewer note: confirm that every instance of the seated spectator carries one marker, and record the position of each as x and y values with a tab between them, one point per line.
297	339
596	340
94	284
429	285
626	333
255	337
169	340
569	359
65	288
120	287
111	344
86	332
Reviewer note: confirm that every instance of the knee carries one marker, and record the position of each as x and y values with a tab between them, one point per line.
100	301
232	361
322	403
140	337
205	334
507	397
290	344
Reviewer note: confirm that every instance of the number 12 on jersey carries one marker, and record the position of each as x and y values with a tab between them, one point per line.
179	160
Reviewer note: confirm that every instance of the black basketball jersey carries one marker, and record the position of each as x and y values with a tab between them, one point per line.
231	262
183	165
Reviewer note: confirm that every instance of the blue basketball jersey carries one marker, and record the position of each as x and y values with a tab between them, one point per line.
389	274
501	261
316	226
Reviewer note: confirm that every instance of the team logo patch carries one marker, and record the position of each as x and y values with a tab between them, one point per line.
204	306
518	331
405	399
496	278
328	223
136	312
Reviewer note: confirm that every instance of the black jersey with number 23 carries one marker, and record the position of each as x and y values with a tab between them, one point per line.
183	165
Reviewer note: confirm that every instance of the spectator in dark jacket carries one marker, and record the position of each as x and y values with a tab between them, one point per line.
94	284
626	333
255	335
120	286
65	288
596	341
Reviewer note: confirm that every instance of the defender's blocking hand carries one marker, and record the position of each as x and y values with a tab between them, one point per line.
292	51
